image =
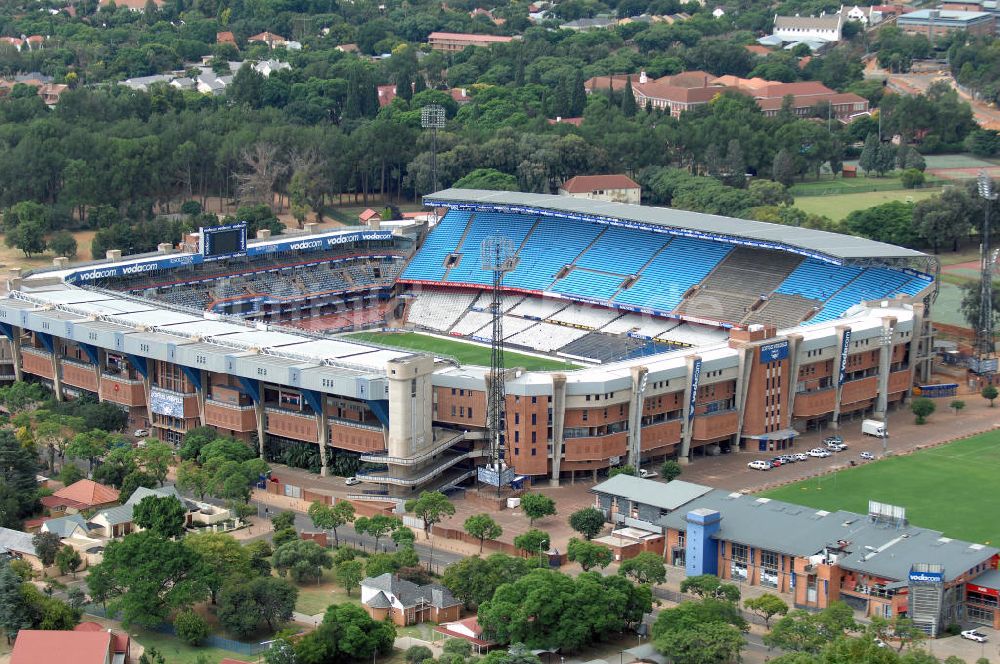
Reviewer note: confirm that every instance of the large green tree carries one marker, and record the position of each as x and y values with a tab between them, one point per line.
245	607
474	580
347	633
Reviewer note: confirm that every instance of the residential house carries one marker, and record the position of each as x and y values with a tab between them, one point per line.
210	83
72	525
611	188
453	42
460	95
672	94
825	28
758	49
142	83
386	93
718	12
479	11
52	92
272	40
226	37
75	531
79	496
16	42
406	603
35	42
467	630
366	216
576	122
866	16
935	23
268	67
77	646
348	48
118	521
584	24
18	545
805	96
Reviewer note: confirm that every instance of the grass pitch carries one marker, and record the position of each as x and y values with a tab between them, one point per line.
951	488
464	352
838	206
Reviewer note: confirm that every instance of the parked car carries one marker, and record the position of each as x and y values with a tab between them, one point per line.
759	465
819	452
867	456
648	474
787	458
801	456
836	447
140	433
973	635
351	481
775	462
834	440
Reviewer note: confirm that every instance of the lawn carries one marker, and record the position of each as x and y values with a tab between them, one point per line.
948	488
838	206
176	651
466	353
826	186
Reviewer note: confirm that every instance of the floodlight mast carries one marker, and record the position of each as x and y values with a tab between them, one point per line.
432	117
497	257
985	346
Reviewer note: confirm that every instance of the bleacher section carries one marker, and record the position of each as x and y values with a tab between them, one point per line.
546	337
507	301
604	348
439	311
646	269
672	272
583	316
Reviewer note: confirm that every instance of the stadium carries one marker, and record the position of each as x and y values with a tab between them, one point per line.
675	335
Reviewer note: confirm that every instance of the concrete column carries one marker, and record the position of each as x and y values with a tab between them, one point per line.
410	405
15	349
147	388
794	363
884	361
685	456
324	439
56	370
200	393
635	406
558	422
258	409
921	345
743	370
838	361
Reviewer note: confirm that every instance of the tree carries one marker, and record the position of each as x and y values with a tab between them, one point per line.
164	516
47	546
348	574
690	615
284	535
68	559
327	517
802	631
283	520
63	244
646	567
194	478
377	526
146	577
266	599
989	393
76	598
712	643
152	656
28	236
548	609
303	560
432	507
766	606
154	459
588	521
474	580
911	178
533	541
347	633
869	154
783	170
536	506
922	407
14	612
482	527
588	554
671	470
132	481
890	222
90	445
622	470
957	405
628	99
224	560
403	537
417	654
709	585
190	627
487	178
900	629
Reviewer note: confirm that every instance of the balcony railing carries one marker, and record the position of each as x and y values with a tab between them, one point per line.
226	404
379	457
354	424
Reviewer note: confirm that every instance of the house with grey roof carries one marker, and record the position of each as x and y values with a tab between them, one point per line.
406	603
71	525
15	544
117	521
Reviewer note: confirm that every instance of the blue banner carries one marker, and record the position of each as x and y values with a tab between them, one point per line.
774	352
926	577
845	348
695	379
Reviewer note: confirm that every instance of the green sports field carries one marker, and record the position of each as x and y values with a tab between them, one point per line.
463	352
838	206
952	488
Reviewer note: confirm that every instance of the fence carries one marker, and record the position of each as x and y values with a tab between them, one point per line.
212	641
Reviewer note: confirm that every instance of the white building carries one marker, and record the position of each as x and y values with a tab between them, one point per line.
823	28
611	188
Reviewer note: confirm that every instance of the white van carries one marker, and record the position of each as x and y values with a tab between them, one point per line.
874	428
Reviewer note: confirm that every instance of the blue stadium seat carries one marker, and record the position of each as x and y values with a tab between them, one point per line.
512	226
682	264
589	284
872	284
554	244
622	250
428	263
818	280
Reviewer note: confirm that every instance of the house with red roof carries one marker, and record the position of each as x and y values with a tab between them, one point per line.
225	37
88	643
80	496
616	188
467	630
272	40
453	42
367	216
576	122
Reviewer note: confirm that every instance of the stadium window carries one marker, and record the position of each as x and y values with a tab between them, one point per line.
534	437
588	397
534	418
461	411
534	452
534	400
517	436
517	451
586	413
517	418
453	411
470	412
453	391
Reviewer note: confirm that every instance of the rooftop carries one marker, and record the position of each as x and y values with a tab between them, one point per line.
824	245
88	492
669	496
582	184
16	541
944	15
409	593
36	646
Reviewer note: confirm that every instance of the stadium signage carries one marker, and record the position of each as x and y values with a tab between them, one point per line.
845	346
774	352
116	271
926	577
695	379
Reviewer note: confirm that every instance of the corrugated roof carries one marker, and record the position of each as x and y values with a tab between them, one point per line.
16	541
727	229
37	646
668	496
65	525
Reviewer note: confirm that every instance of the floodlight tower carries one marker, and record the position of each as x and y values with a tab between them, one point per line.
432	117
984	330
497	256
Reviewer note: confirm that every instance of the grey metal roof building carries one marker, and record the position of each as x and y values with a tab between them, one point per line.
832	247
409	593
669	496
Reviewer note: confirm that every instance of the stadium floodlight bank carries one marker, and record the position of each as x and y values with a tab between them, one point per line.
148	334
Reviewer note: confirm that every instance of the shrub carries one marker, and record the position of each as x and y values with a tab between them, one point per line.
190	627
912	178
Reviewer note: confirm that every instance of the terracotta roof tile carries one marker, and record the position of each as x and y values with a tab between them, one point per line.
35	646
586	183
88	492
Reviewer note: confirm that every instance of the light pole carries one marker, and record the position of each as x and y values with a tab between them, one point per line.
885	341
433	117
984	330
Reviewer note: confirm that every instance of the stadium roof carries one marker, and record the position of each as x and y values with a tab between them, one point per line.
832	247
